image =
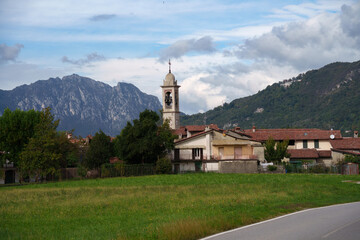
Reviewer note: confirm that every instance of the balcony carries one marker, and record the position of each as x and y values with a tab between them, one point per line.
191	157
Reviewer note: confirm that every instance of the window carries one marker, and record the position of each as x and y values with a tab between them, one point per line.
316	143
197	153
291	142
305	144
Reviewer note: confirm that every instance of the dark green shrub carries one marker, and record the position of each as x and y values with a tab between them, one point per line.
105	171
120	169
81	170
163	166
319	168
272	168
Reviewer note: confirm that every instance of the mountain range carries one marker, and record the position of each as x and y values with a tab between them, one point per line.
81	103
325	98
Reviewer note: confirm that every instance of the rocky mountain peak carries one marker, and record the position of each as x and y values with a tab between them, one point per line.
82	103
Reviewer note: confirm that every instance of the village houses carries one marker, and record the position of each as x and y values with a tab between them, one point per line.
209	148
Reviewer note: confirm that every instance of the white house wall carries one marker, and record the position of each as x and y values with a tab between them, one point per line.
187	167
197	142
211	167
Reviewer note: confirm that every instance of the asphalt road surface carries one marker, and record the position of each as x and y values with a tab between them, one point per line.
337	222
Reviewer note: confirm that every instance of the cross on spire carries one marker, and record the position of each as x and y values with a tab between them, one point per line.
169	66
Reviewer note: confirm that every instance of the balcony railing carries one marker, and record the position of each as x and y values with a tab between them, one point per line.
189	156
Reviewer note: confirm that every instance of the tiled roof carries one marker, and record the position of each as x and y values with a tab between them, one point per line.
309	153
346	143
292	134
303	153
114	160
180	131
200	128
346	151
195	128
324	153
192	136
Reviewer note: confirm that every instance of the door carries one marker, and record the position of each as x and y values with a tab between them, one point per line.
198	166
9	176
237	152
176	154
221	152
176	168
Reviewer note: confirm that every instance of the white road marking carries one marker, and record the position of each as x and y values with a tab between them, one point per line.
342	227
273	219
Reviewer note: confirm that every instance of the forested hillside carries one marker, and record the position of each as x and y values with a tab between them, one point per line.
325	98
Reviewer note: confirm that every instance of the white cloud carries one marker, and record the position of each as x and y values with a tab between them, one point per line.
9	53
306	44
92	57
254	53
16	74
182	47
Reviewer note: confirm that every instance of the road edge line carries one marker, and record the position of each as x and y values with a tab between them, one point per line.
272	219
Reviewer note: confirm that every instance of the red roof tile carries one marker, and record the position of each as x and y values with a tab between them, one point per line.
309	153
195	128
114	160
324	153
180	131
200	128
303	153
346	143
292	134
347	151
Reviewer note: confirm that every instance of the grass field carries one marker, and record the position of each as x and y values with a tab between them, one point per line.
187	206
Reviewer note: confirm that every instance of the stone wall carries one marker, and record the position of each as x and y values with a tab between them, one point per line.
245	166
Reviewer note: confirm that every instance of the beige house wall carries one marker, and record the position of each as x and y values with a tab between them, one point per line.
323	144
229	151
259	152
337	157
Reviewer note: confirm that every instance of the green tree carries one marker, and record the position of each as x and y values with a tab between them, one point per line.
70	152
276	151
16	128
99	152
352	159
144	141
41	156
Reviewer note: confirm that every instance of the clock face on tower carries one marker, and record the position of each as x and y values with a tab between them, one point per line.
168	99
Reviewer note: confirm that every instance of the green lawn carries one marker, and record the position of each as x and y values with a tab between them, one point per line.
187	206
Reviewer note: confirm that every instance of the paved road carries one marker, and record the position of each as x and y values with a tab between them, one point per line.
338	222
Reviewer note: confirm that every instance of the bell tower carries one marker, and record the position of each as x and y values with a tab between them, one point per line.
170	100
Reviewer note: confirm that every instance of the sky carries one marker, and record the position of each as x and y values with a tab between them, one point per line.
220	50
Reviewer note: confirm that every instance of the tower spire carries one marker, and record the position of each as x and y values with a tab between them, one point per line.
169	66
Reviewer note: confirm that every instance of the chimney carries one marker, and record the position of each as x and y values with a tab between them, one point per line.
356	134
253	128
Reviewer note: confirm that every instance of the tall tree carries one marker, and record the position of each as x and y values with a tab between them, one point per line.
100	150
41	155
276	151
16	128
144	141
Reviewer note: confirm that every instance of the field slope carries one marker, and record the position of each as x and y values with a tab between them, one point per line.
186	206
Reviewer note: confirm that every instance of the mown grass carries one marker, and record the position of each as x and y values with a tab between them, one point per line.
186	206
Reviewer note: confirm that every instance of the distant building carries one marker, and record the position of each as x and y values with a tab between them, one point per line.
312	145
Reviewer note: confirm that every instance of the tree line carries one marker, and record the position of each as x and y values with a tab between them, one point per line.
30	140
